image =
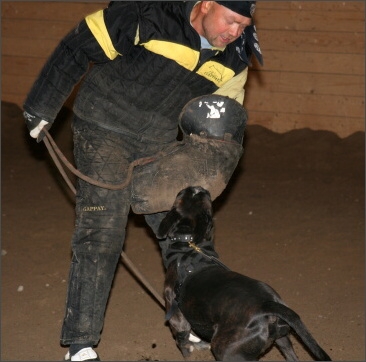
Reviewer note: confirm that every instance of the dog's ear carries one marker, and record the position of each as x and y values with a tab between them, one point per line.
168	223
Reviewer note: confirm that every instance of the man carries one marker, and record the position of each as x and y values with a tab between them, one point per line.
148	60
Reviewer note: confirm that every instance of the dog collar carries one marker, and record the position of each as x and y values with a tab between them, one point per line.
188	238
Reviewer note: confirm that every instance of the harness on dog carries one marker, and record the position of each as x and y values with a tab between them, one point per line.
179	241
211	257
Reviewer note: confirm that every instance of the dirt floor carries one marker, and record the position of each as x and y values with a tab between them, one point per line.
292	216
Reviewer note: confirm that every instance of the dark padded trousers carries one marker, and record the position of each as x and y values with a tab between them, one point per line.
101	217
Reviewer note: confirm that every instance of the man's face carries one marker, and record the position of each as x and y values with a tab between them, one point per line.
221	25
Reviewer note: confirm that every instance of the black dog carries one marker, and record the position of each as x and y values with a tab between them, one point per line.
240	317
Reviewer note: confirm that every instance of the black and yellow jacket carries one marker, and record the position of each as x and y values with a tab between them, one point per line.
147	64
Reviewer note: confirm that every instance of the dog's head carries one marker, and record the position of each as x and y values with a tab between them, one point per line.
191	214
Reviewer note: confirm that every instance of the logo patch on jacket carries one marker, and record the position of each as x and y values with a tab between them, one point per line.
215	72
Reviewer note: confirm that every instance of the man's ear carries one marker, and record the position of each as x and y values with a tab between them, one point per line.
205	6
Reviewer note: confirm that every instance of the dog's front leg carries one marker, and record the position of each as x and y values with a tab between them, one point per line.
181	331
178	323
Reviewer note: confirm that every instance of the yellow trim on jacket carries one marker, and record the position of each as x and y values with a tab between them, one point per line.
181	54
97	26
234	88
216	72
185	56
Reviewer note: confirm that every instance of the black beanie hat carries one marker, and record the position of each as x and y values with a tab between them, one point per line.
245	8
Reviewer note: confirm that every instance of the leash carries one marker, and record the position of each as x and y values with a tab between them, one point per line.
214	259
56	154
188	238
54	150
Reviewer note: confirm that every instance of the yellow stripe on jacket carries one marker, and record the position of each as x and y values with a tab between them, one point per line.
216	72
97	26
189	58
185	56
181	54
234	88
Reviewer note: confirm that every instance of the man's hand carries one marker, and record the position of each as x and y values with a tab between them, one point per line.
36	125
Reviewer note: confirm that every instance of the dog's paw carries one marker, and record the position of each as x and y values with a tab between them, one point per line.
193	338
199	346
197	343
186	349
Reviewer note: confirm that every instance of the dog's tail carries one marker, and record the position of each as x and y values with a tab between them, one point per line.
293	320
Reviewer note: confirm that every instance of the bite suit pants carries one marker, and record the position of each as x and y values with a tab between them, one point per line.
101	218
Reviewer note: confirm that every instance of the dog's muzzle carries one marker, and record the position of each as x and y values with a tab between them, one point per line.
213	130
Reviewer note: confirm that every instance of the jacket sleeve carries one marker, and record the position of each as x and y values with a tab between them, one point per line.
89	42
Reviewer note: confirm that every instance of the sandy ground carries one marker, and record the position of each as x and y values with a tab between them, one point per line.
292	216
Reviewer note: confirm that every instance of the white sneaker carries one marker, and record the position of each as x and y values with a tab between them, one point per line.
85	354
